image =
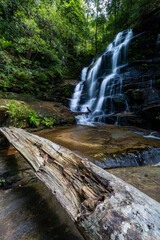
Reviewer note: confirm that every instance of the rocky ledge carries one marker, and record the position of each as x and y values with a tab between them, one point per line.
56	110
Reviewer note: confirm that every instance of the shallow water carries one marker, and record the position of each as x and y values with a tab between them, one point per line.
28	209
89	140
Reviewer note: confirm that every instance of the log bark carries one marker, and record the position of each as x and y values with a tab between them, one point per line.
101	205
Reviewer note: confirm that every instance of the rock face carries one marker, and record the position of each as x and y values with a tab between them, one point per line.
141	78
51	109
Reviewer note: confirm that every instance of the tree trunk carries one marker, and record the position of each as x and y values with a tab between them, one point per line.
101	205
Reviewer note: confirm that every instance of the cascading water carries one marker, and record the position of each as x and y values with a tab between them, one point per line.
100	91
74	104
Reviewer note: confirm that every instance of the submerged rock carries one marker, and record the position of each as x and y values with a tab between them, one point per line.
122	146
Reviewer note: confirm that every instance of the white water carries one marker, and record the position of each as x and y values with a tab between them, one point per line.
78	91
101	87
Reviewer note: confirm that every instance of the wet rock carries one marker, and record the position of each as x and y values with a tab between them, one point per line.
131	158
145	96
127	119
158	44
146	179
141	77
120	146
109	139
28	207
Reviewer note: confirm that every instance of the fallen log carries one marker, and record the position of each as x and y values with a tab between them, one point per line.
101	205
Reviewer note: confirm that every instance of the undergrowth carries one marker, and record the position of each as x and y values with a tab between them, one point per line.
21	115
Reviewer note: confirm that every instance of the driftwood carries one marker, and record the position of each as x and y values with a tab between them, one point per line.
101	205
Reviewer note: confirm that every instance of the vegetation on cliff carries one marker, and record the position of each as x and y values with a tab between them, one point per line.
43	42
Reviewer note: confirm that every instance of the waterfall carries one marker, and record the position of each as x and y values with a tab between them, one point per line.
78	91
99	93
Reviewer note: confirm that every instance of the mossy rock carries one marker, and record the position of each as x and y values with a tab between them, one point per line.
17	112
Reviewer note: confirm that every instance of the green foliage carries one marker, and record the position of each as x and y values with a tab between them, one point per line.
135	95
18	112
5	44
124	13
40	40
138	49
34	118
143	67
21	74
65	91
21	115
48	122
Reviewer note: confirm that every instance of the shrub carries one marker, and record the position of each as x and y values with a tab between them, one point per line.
48	121
18	113
22	75
22	116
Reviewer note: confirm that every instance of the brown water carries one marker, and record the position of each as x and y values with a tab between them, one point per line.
102	138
